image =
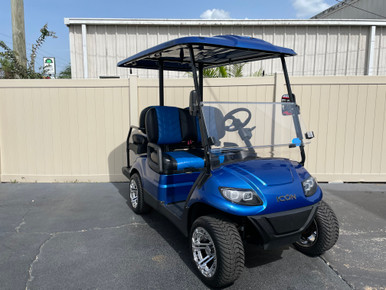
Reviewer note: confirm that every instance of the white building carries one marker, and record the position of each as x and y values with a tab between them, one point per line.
324	47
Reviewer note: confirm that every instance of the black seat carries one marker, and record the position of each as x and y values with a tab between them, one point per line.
142	125
172	133
139	140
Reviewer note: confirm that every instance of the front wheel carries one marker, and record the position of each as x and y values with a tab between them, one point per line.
322	233
217	250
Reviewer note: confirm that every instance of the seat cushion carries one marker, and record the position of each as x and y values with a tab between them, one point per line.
189	160
182	160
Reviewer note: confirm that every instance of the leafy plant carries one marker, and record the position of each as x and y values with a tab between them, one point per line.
66	73
231	71
259	73
236	70
12	68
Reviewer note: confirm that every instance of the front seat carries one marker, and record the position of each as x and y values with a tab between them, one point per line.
169	128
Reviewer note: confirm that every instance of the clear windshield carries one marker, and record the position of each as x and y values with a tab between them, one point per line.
251	130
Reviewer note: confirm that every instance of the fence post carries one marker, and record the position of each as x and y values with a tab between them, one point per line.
133	102
0	160
279	89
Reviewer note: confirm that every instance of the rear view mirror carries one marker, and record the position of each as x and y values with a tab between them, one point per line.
309	134
286	109
193	103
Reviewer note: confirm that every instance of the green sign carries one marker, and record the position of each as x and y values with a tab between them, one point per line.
49	66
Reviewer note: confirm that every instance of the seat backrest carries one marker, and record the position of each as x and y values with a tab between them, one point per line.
163	125
170	125
189	126
142	116
214	122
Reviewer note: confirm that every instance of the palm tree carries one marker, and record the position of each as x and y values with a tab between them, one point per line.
66	73
231	71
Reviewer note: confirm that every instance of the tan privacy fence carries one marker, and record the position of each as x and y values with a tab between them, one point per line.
75	130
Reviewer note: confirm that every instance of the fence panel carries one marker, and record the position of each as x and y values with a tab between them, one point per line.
347	115
59	130
75	130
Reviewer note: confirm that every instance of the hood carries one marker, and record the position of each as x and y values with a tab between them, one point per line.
270	178
268	172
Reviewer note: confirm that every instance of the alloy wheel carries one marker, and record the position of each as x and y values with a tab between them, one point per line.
133	193
309	236
204	252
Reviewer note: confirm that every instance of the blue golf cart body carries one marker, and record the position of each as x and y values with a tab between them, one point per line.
203	160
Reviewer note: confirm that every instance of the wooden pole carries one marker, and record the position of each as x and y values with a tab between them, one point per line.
18	30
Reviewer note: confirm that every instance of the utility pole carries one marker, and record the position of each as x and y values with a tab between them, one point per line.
18	30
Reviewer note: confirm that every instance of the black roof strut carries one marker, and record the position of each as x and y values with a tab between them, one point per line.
295	117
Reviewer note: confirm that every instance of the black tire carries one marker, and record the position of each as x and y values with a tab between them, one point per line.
137	204
228	250
326	227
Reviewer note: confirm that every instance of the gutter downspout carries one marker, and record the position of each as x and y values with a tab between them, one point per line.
84	45
370	50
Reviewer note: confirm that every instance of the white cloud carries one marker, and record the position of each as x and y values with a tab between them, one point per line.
308	8
215	14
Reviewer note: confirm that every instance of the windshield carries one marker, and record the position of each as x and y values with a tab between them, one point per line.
250	130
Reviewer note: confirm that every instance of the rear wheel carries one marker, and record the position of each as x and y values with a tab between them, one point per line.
136	198
217	250
322	233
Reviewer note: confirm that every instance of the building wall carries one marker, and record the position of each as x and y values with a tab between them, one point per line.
75	130
323	48
355	9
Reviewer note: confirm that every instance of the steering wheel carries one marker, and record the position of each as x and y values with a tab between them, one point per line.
236	123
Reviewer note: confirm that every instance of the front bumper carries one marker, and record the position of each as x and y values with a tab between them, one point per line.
283	228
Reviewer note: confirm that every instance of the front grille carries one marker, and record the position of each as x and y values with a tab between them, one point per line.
289	222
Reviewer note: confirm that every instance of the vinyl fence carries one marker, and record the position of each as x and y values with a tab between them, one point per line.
75	130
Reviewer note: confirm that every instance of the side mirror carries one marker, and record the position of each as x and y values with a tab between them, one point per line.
309	134
287	109
193	103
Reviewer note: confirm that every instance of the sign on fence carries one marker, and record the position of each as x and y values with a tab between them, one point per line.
49	66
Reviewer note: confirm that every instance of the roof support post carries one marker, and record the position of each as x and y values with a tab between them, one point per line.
84	46
201	79
295	116
198	88
370	51
194	71
287	82
161	83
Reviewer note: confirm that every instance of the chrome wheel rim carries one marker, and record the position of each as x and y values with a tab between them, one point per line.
309	236
133	193
204	252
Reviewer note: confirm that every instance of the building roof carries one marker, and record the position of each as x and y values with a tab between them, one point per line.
333	8
223	22
354	9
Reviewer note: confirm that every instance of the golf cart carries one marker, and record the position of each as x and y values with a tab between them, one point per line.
216	169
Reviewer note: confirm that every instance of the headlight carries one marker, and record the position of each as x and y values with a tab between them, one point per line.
241	196
309	186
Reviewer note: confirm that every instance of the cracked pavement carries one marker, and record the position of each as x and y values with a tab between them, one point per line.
84	236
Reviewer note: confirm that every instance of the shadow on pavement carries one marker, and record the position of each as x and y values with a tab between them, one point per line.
254	256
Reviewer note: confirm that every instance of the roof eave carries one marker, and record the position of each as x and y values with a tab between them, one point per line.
224	22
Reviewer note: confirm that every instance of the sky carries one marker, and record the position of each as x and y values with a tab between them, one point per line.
39	12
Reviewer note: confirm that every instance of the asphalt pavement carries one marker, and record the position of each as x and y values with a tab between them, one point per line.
84	236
